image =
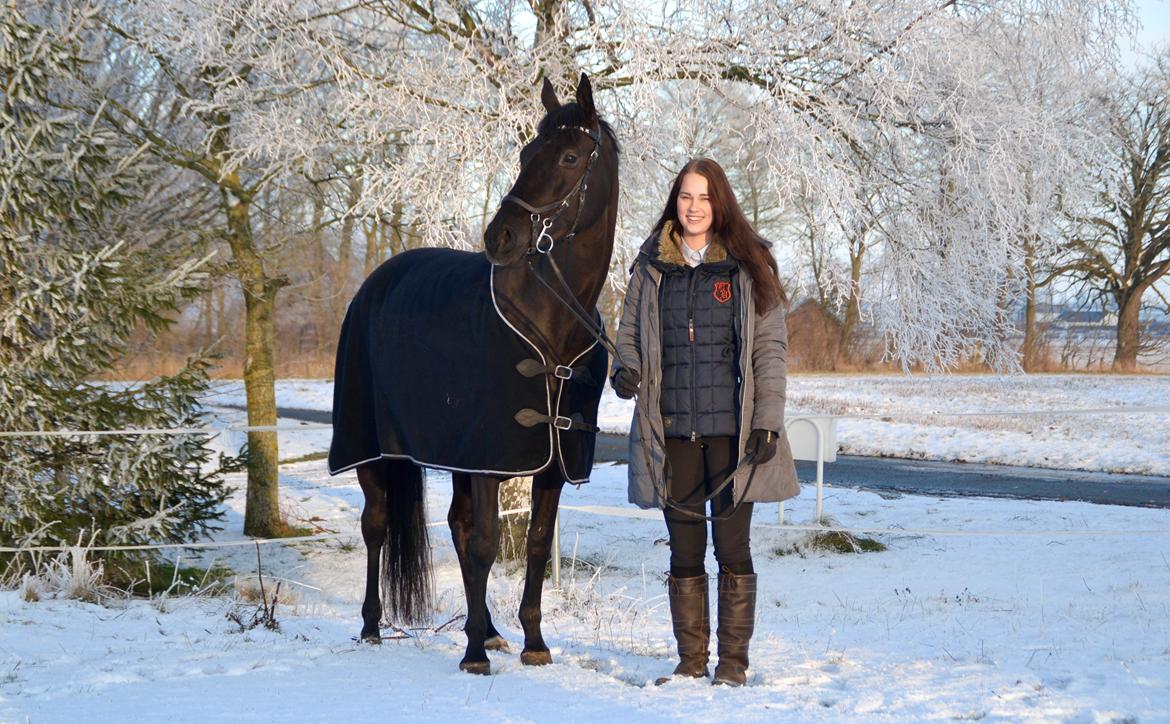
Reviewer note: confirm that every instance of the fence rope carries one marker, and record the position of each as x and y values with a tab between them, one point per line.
641	514
613	511
598	509
215	544
205	430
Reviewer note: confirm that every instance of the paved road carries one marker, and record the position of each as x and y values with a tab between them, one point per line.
927	477
951	479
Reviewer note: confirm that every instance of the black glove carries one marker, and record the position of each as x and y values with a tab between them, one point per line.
761	445
625	382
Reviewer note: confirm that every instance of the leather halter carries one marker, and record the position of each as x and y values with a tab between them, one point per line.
540	227
536	214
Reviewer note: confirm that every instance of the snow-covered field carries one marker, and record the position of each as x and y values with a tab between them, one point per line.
1037	611
1050	627
916	417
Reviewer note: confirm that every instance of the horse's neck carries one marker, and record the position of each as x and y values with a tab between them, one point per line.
533	309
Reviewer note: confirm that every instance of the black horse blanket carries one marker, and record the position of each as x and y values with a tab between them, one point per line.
427	371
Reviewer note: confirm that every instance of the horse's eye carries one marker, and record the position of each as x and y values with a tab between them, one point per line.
569	158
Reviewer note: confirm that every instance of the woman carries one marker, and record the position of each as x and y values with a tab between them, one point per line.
705	341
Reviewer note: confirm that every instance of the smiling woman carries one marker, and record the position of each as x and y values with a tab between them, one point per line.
694	210
703	343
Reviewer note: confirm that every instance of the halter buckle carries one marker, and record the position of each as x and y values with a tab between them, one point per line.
561	372
561	422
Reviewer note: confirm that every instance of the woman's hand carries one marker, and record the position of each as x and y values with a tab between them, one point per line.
761	445
625	382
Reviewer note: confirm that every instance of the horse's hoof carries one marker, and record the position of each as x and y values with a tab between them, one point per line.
535	658
496	643
482	668
371	638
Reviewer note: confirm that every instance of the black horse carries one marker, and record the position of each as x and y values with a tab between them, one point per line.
471	363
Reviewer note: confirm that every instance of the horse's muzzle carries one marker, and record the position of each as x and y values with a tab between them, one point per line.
503	246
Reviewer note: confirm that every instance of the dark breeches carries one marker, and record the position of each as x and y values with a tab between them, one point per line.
696	468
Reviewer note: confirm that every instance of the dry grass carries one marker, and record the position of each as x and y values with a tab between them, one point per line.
319	366
831	542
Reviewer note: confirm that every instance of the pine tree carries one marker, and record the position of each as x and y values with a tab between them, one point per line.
71	295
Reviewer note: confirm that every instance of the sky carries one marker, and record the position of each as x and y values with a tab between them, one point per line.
1155	19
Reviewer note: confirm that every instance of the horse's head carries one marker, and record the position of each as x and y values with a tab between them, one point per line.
563	186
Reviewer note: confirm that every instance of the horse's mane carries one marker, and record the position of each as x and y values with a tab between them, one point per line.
570	114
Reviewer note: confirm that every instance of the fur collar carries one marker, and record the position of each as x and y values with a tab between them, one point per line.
669	251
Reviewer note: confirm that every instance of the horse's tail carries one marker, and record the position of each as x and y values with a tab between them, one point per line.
407	585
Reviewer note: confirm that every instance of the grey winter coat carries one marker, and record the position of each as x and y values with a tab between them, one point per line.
763	345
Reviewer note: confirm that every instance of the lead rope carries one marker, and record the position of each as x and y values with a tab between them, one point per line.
570	302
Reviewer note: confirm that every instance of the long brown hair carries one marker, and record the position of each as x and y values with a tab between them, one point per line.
731	228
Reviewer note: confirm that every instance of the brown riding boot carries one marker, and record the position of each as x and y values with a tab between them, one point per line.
737	621
690	611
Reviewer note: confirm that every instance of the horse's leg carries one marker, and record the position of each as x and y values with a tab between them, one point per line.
459	520
373	480
482	547
546	497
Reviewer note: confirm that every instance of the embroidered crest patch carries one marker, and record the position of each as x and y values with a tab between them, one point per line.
722	292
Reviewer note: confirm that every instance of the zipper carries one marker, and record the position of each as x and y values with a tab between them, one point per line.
694	363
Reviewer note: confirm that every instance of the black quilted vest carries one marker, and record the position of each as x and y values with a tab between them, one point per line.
700	367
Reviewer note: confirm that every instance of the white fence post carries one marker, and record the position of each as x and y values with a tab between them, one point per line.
556	550
822	448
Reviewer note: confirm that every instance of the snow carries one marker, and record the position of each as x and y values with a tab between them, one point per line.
1036	628
906	416
915	417
1065	622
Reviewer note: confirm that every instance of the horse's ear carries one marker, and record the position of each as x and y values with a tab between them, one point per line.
548	96
585	97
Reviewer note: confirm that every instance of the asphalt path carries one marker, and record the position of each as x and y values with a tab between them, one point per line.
931	477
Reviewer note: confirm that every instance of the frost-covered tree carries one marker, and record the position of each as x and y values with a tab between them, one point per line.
71	293
1121	248
198	85
897	110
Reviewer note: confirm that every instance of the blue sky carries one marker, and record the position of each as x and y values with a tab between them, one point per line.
1155	19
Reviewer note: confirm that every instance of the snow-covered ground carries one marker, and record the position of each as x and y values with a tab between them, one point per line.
1037	611
913	416
1059	626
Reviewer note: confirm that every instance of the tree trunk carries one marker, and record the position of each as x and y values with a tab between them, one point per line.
317	249
345	252
1031	348
845	353
1128	332
221	320
370	229
262	509
208	317
262	505
515	494
400	237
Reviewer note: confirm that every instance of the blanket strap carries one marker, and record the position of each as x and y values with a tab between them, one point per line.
529	418
531	368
